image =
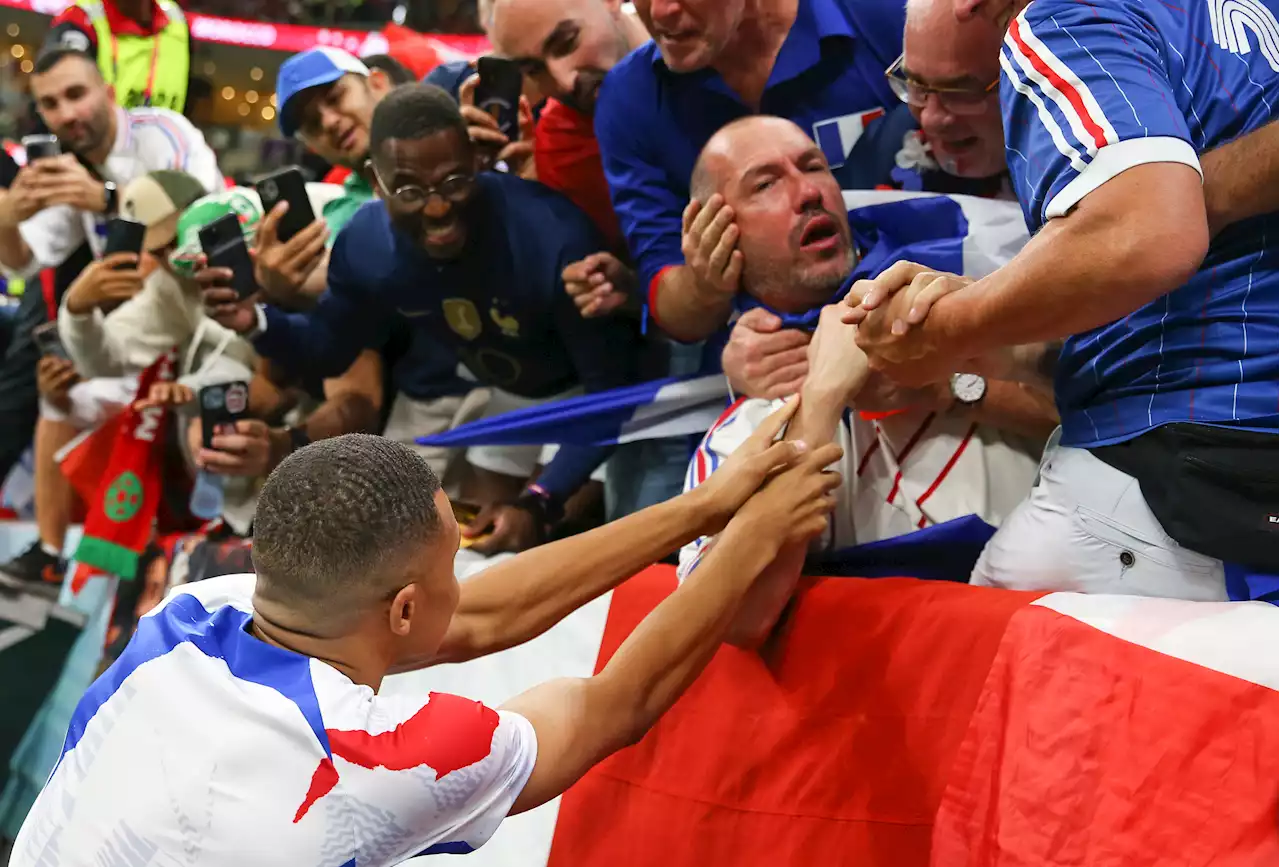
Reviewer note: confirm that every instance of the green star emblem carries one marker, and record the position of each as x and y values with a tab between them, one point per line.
123	498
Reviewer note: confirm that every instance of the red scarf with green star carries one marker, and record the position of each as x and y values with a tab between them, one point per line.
122	500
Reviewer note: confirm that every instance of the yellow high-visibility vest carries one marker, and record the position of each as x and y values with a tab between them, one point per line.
145	70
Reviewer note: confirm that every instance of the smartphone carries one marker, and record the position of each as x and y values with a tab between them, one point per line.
40	146
498	93
287	185
124	236
48	341
222	405
224	246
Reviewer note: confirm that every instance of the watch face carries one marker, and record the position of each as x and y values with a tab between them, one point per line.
968	387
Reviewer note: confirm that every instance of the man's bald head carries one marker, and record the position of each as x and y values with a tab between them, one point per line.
951	67
793	227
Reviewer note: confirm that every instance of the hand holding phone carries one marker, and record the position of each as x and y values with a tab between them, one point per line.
224	247
498	93
48	341
124	236
38	147
220	406
288	185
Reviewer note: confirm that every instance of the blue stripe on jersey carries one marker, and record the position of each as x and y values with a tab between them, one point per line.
219	635
1155	69
447	849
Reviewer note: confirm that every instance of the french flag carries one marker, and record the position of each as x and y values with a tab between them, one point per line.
962	234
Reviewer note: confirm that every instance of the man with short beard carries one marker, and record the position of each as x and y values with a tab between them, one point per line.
57	204
913	458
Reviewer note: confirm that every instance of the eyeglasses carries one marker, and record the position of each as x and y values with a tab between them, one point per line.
957	100
454	189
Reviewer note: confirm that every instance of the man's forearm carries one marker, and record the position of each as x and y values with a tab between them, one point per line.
1241	178
517	600
1015	407
682	308
14	252
1093	267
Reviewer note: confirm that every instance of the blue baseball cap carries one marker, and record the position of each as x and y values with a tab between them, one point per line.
313	68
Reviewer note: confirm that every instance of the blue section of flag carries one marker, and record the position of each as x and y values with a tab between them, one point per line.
827	134
943	552
1245	584
219	635
600	418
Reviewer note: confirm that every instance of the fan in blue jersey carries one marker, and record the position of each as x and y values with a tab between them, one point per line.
1165	292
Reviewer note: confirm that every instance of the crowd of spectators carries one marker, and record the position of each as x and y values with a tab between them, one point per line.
696	187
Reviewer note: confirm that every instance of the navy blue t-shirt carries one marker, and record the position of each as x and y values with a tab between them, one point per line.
501	306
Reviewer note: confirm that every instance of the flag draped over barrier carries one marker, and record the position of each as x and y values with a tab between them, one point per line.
965	234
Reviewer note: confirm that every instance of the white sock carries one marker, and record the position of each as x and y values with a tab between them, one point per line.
55	553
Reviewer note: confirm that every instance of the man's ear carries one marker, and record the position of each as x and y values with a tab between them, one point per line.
379	82
404	606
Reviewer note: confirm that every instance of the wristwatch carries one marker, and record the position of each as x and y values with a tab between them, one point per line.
538	502
968	388
110	198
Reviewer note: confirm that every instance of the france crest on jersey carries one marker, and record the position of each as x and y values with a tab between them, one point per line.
1090	90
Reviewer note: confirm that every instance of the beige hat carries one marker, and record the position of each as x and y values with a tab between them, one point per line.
156	200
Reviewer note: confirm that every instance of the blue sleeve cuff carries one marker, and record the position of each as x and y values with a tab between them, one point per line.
570	469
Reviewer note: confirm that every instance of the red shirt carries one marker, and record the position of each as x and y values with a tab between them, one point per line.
120	25
567	157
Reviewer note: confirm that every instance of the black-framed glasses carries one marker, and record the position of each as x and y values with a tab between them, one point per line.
957	100
454	189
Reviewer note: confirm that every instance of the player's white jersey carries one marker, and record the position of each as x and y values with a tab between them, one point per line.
204	746
903	472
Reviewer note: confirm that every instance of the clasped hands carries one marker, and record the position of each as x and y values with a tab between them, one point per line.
891	312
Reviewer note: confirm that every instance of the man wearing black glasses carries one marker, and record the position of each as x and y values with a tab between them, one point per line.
473	262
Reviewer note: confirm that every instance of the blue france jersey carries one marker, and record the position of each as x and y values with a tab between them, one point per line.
1090	90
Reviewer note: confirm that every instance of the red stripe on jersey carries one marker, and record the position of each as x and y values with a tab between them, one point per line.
947	468
1065	88
911	443
447	734
862	464
700	472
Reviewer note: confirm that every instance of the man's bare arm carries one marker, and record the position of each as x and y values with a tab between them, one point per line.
581	721
684	309
1241	178
1137	237
519	599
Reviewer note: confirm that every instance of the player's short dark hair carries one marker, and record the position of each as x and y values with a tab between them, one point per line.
396	72
48	58
338	521
413	112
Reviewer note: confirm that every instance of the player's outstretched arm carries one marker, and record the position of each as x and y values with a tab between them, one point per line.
515	601
581	721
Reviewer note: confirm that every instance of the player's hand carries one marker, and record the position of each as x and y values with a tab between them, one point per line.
599	284
743	472
513	529
222	303
166	394
793	506
55	377
282	267
763	359
64	181
709	240
22	200
106	283
247	449
838	368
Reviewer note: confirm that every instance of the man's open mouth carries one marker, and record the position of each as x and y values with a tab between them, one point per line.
820	235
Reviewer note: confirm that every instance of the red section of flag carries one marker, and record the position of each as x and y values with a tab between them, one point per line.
1089	750
322	783
447	734
832	748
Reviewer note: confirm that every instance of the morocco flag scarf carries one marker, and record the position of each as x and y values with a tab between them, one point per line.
122	501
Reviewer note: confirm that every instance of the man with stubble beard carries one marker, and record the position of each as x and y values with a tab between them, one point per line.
473	261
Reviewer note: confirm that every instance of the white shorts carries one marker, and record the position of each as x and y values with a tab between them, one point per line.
519	461
1087	528
411	418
